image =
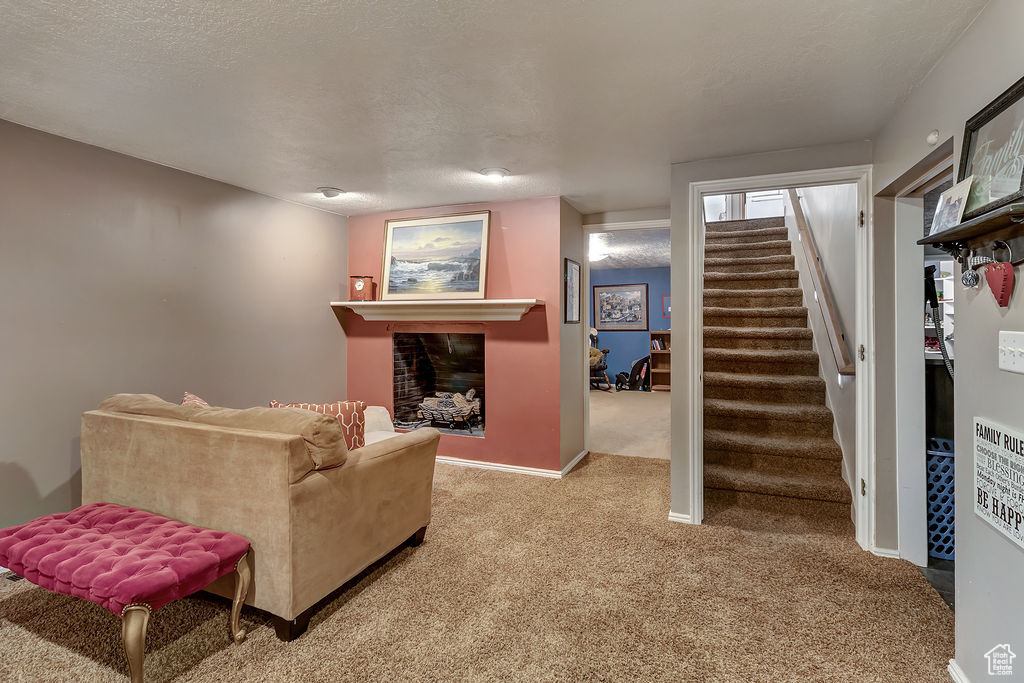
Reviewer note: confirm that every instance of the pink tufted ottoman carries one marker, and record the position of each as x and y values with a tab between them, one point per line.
130	561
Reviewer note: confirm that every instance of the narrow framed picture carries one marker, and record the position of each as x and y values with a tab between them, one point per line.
666	305
993	153
621	307
571	296
950	208
442	257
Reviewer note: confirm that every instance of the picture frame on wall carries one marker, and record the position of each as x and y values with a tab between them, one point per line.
621	307
950	209
438	257
666	306
571	296
993	152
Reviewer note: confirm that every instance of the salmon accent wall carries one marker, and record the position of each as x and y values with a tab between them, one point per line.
521	359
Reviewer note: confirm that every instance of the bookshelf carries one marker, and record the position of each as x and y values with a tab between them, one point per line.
661	360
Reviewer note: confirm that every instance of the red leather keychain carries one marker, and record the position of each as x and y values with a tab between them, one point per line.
1000	281
1000	275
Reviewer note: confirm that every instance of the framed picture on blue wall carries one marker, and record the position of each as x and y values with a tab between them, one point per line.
620	307
666	305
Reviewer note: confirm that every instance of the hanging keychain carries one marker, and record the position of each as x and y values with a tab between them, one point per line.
1000	275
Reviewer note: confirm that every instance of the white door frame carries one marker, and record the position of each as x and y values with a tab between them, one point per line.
864	464
588	230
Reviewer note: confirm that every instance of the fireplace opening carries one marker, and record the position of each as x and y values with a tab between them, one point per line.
439	381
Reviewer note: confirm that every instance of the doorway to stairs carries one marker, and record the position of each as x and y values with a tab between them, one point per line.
715	400
773	437
629	317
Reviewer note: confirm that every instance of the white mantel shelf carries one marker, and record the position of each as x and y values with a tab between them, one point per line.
446	310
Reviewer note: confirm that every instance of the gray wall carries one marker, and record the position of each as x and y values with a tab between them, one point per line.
841	394
572	339
656	213
985	61
831	212
117	275
810	158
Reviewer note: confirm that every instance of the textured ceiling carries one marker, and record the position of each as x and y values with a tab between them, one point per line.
401	101
631	249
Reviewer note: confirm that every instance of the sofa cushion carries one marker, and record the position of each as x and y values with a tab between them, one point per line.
146	404
350	414
374	437
324	437
193	400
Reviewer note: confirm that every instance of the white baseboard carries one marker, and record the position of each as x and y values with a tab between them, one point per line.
575	461
677	517
956	673
881	552
517	469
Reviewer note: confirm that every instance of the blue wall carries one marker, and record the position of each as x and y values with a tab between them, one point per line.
626	347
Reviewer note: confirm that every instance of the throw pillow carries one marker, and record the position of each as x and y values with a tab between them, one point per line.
350	416
193	400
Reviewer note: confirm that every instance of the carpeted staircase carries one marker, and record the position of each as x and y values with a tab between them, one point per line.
767	430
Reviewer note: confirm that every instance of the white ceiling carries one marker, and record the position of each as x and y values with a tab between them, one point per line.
401	101
631	249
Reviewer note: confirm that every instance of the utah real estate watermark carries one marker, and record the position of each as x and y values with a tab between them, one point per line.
1000	660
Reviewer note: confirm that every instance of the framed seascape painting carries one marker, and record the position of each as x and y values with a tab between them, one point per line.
443	257
572	291
620	307
993	153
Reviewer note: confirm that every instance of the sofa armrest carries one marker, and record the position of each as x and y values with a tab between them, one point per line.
345	518
377	419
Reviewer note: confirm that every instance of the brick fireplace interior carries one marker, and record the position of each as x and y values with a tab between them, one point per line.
429	363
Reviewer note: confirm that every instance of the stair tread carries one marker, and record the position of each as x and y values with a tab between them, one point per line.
773	222
753	246
714	293
781	274
791	484
779	232
759	332
795	446
739	379
769	312
767	411
763	354
748	260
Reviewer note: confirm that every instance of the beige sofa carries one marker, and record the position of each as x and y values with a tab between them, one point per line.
315	514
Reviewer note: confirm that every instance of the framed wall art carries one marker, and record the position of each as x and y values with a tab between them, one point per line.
620	307
993	153
442	257
571	298
951	206
666	305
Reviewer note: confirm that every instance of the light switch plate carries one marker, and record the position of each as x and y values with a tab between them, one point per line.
1011	351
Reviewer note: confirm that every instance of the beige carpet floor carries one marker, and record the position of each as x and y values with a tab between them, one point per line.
633	423
530	579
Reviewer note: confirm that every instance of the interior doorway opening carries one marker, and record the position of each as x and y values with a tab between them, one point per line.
924	387
628	315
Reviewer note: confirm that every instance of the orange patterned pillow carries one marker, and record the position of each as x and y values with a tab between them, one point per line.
193	400
350	415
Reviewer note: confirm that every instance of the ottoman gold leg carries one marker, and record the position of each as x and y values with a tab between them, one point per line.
134	620
242	577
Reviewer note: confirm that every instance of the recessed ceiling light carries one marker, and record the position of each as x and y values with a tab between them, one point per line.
330	192
496	173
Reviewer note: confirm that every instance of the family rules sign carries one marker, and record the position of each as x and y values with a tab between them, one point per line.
999	478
